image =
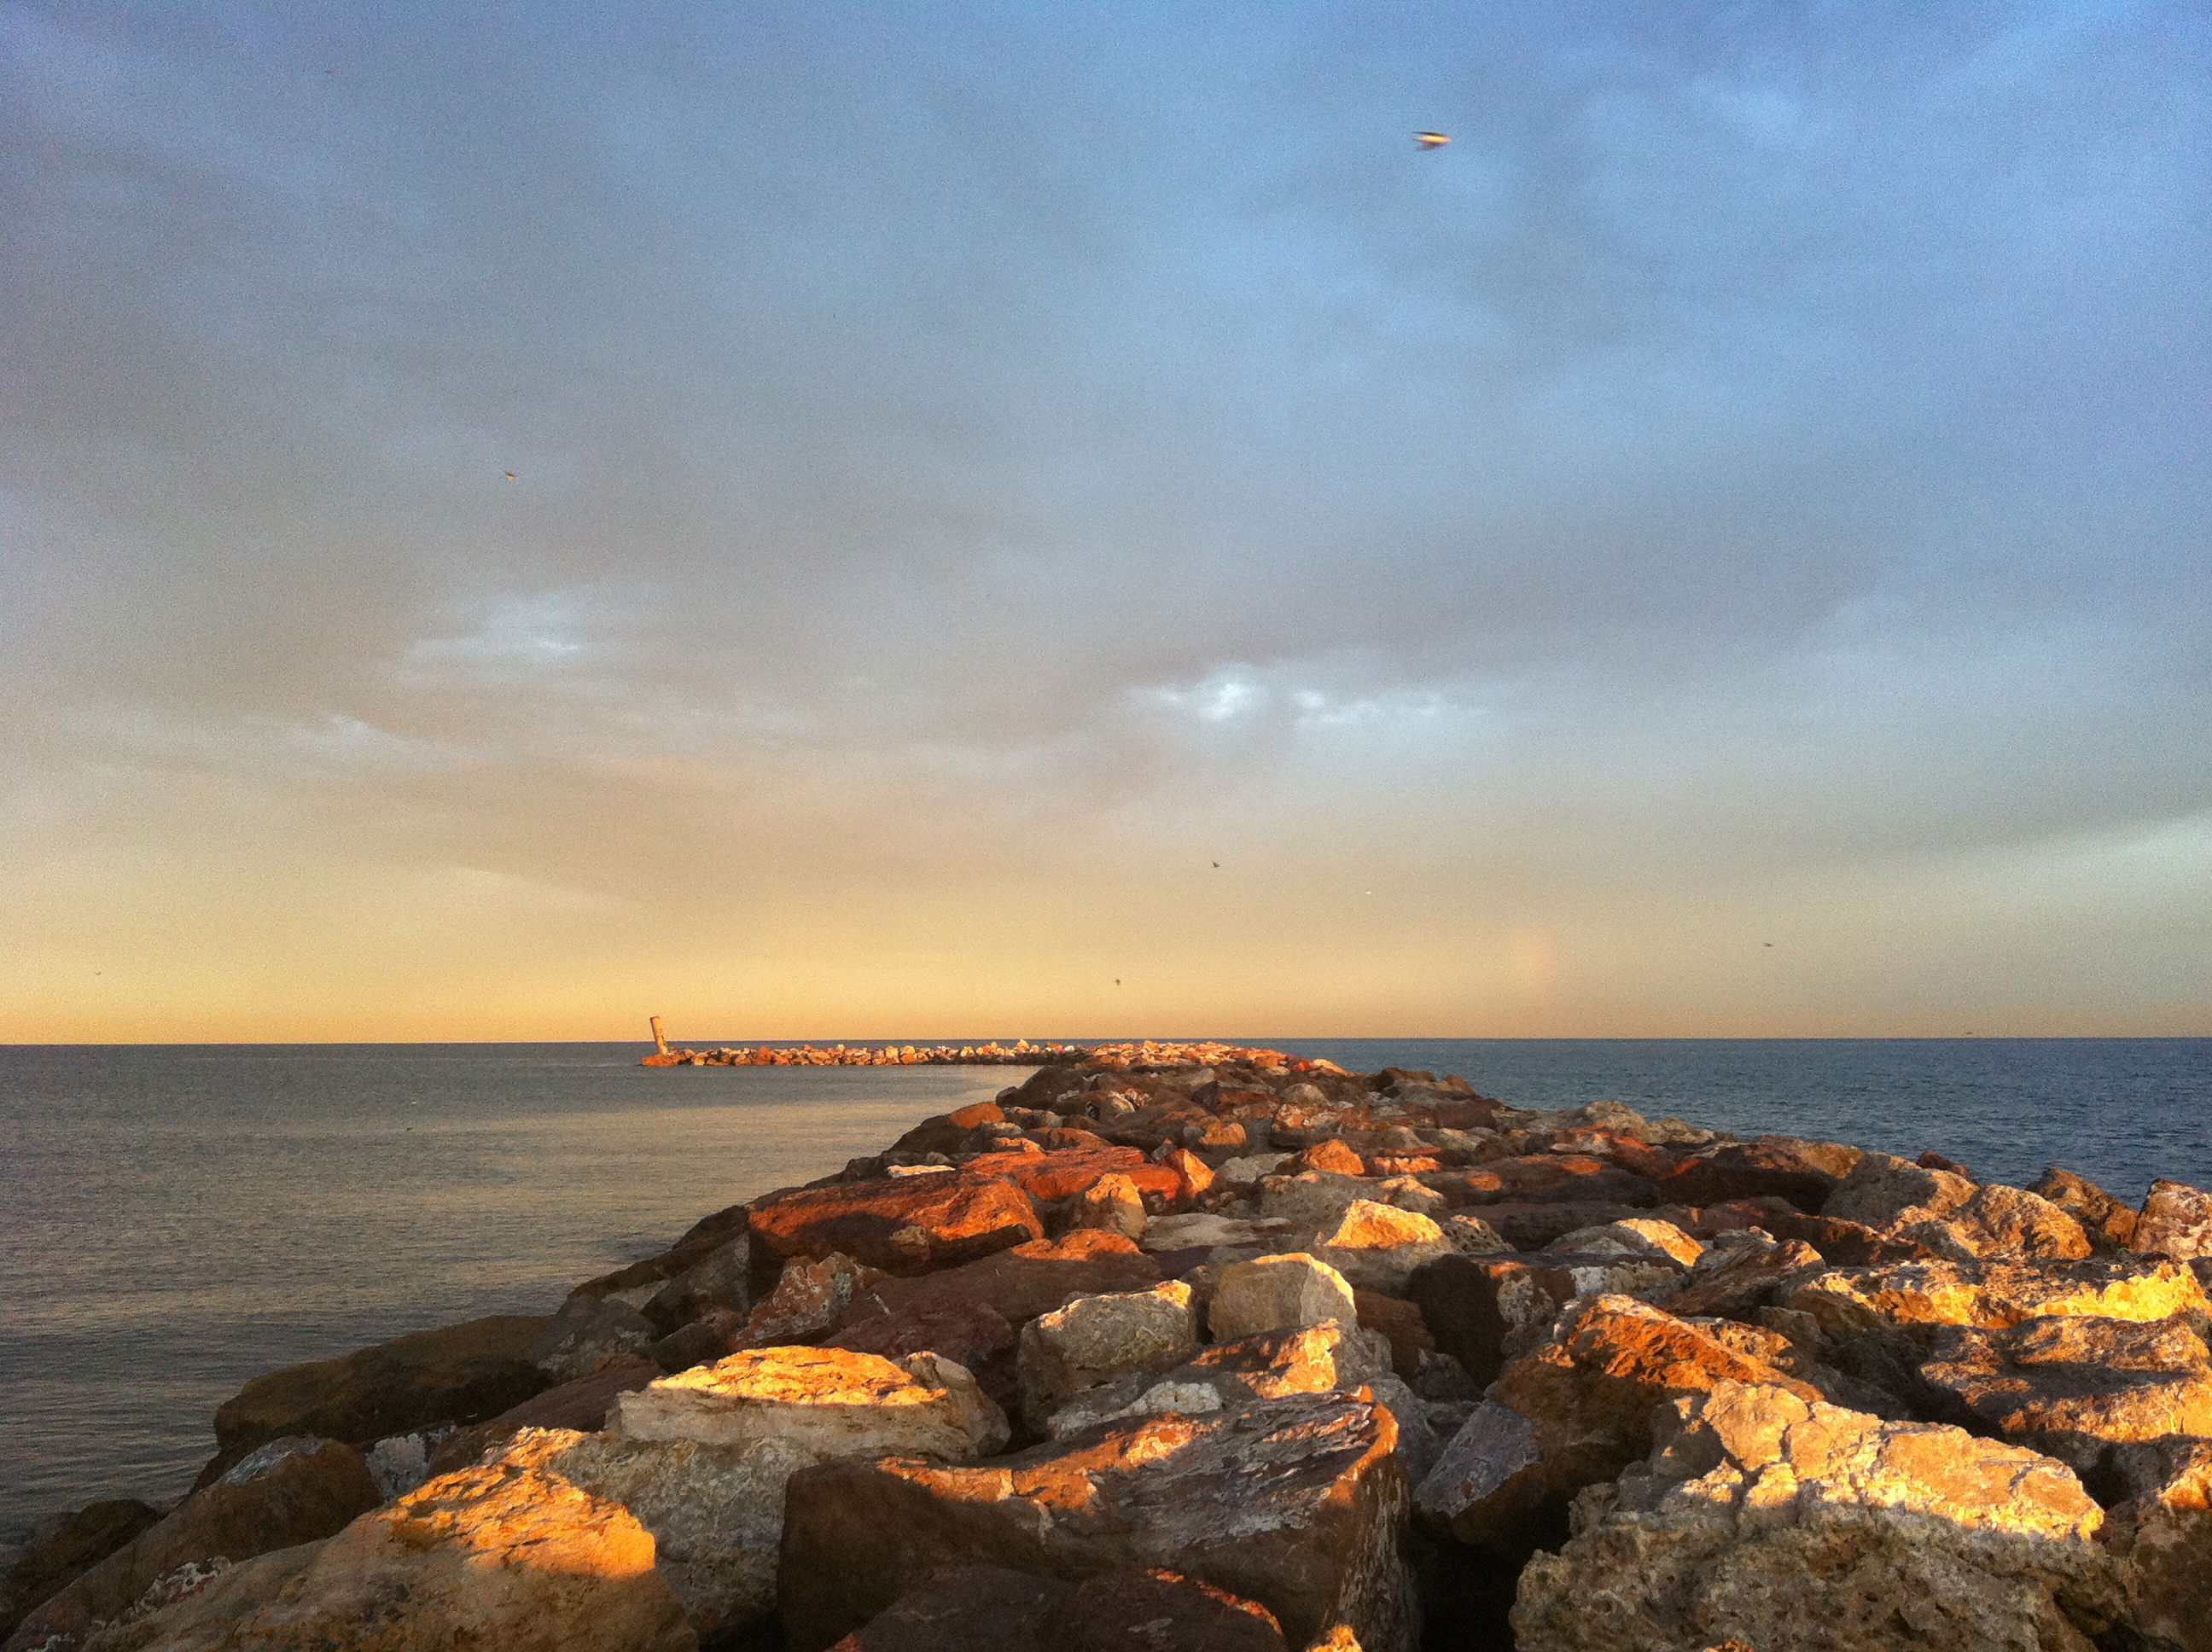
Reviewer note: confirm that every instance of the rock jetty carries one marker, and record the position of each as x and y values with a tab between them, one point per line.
1198	1349
1019	1053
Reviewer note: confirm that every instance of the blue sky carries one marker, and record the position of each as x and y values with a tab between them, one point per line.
1719	548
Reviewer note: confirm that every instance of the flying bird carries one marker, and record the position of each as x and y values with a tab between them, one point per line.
510	475
1431	140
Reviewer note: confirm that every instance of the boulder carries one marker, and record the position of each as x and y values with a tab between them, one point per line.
992	1609
1019	1284
1048	1177
457	1374
1096	1339
581	1405
1766	1519
2176	1221
1487	1310
1378	1246
2072	1388
638	1283
945	1132
1278	1293
810	1296
1111	1203
1846	1300
1470	1235
1846	1244
1527	1227
1312	1197
2109	1224
588	1332
1399	1323
496	1556
968	1333
1547	1179
1270	1365
1201	1230
1954	1216
1735	1281
1296	1504
901	1224
61	1548
285	1492
1330	1156
1805	1173
719	1279
1587	1401
1634	1235
2160	1532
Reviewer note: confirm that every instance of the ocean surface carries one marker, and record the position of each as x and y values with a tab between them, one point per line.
174	1220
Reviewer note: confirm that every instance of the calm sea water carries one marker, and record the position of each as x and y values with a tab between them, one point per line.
176	1220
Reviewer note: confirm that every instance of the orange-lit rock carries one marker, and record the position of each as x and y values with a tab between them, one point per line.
2176	1221
2109	1224
904	1226
1322	1358
1845	1301
1803	1172
1378	1246
1112	1203
1019	1284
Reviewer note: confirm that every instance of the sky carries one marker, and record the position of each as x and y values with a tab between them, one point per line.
831	520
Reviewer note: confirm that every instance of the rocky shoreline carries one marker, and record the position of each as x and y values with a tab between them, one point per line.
1197	1349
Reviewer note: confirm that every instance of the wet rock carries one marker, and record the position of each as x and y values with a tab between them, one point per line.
587	1331
1765	1519
1296	1504
62	1547
492	1557
1269	1365
1278	1293
1111	1203
1633	1237
1805	1173
2176	1221
2072	1388
2161	1533
457	1373
1094	1340
1990	1295
902	1225
2109	1224
1378	1246
287	1491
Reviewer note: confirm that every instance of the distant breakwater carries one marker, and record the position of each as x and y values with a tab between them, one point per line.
1147	1055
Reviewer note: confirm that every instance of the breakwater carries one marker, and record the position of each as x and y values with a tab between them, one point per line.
1021	1052
1257	1354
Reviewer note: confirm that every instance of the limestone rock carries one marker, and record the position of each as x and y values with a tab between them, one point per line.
2176	1221
2161	1533
1470	1235
2109	1224
812	1295
457	1374
1111	1203
1633	1237
1378	1246
1487	1310
1805	1173
587	1331
1246	1171
1297	1503
1845	1301
1096	1339
1331	1157
286	1492
1768	1520
583	1404
1954	1216
1278	1293
492	1557
1332	1357
828	1401
903	1226
2072	1388
1019	1284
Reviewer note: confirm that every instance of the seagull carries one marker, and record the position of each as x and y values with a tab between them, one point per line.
1217	865
510	475
1431	140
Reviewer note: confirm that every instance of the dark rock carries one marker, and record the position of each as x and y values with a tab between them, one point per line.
583	1404
902	1224
1803	1172
946	1132
970	1333
62	1547
587	1331
1018	1284
1484	1311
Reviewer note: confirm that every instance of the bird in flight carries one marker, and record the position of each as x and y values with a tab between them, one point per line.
1217	865
510	475
1431	140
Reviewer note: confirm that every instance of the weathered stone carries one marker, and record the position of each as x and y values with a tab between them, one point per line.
2072	1388
720	1278
1331	1157
286	1492
1487	1310
903	1226
1269	1365
1991	1295
970	1333
1278	1293
945	1132
1806	1173
504	1556
2109	1224
1399	1322
2161	1533
457	1374
61	1548
1735	1281
1953	1216
1470	1235
581	1405
1844	1244
1297	1503
1019	1284
992	1609
965	1609
587	1331
1201	1230
638	1283
2176	1221
810	1296
1111	1203
1312	1197
1246	1171
1378	1246
828	1401
1547	1179
1096	1339
1773	1522
1530	1227
1633	1237
1049	1177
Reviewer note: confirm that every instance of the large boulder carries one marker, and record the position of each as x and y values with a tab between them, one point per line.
588	1331
1094	1340
901	1224
1329	1357
1297	1503
1845	1301
1485	1310
1805	1173
1574	1413
1952	1215
1278	1293
2072	1388
62	1547
581	1405
286	1492
2176	1221
1378	1246
500	1556
2109	1224
992	1609
1766	1519
1049	1177
455	1374
1018	1284
2161	1533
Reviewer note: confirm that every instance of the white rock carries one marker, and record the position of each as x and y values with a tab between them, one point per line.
1279	1293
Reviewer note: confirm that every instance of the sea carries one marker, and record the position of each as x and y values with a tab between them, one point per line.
177	1220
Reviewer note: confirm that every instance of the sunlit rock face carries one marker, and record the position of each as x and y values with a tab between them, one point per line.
1331	1356
502	1556
2176	1220
1952	1215
899	1224
1278	1293
1094	1340
1993	1294
1765	1518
